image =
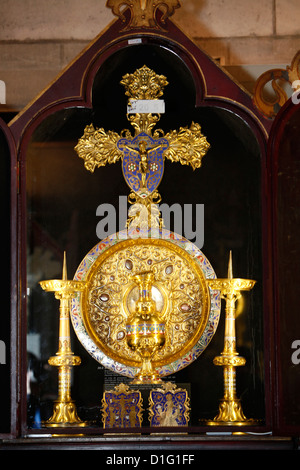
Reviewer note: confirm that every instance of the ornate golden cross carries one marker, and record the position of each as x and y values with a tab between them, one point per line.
143	153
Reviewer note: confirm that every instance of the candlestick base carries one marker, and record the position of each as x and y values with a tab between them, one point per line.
231	414
64	415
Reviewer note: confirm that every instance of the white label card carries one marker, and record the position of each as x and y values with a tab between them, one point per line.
146	106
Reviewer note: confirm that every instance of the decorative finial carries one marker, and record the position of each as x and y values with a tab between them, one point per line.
230	274
144	84
64	272
143	12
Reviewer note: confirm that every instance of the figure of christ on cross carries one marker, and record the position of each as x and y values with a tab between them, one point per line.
144	162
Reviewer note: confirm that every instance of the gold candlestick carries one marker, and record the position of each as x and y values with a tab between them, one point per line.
230	409
64	410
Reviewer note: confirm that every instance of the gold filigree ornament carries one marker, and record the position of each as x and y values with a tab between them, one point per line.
143	12
146	310
122	408
169	406
270	103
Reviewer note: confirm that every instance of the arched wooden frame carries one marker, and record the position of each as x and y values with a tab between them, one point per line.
73	89
281	351
10	273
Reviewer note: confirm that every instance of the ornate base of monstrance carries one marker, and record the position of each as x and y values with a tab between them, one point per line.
147	375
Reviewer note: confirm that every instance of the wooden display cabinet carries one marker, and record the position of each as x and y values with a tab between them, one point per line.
249	186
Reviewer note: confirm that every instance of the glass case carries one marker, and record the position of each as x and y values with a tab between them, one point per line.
62	205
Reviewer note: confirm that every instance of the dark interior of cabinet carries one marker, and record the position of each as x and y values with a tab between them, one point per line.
287	255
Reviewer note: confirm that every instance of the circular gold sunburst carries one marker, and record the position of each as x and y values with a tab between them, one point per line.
180	292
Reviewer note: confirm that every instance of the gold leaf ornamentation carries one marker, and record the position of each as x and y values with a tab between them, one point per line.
169	406
268	105
143	12
144	212
187	146
122	407
144	84
98	147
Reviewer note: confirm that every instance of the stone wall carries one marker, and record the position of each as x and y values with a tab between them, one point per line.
38	38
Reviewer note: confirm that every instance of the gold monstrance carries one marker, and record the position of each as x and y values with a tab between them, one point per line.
64	410
230	409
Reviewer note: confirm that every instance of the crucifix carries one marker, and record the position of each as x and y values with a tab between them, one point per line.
143	153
